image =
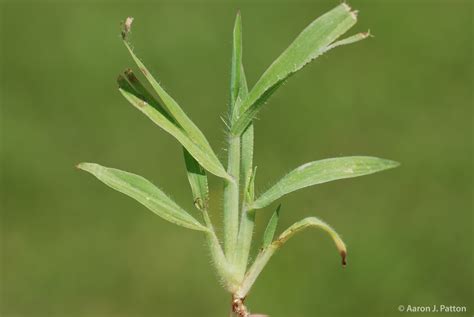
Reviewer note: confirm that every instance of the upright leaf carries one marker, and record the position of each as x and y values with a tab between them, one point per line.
203	155
236	67
198	180
239	92
271	228
309	44
323	171
206	157
143	93
247	138
145	193
171	105
249	189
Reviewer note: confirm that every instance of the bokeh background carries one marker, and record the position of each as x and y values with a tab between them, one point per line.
72	247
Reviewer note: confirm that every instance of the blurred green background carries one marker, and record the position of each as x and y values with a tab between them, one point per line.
72	247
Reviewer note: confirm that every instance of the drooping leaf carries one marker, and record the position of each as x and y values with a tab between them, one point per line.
198	180
204	156
309	44
271	228
313	222
145	193
323	171
265	254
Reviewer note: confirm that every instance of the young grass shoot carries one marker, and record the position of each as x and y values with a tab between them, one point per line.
235	267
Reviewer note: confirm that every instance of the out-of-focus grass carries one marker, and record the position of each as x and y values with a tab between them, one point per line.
71	247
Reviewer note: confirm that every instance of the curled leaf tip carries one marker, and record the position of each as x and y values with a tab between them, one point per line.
368	34
344	258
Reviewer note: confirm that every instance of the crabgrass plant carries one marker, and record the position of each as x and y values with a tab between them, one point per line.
230	253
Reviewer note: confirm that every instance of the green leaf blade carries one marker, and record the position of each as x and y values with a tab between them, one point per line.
144	192
271	228
236	66
313	222
171	105
172	113
266	253
309	44
198	180
323	171
205	157
349	40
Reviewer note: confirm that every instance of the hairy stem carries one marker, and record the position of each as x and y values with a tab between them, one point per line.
244	241
254	271
231	199
220	262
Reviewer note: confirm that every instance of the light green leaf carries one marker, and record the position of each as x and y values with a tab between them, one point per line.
173	112
249	189
239	92
171	105
198	180
236	67
246	140
313	222
204	156
310	43
143	93
265	254
145	193
247	144
271	228
323	171
349	40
